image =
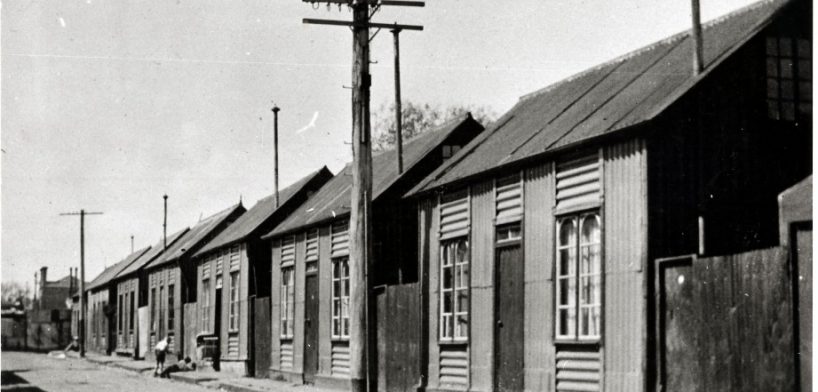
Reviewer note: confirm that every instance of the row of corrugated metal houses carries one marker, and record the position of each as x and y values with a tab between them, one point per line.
523	256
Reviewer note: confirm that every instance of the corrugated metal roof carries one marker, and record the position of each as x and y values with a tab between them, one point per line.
191	240
260	213
109	273
153	253
624	92
334	198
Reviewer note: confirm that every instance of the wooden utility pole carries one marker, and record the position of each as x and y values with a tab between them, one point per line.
81	320
360	249
398	111
275	149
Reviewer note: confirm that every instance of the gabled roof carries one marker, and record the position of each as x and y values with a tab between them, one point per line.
150	255
611	97
109	273
334	198
264	209
194	238
65	282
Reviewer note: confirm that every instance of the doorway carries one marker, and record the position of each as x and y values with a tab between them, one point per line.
509	308
311	324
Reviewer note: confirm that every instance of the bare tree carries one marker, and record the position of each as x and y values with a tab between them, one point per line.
418	118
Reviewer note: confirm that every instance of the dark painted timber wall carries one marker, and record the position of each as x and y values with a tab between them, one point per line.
726	323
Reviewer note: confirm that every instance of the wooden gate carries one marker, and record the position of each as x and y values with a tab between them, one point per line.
802	253
725	323
311	327
399	337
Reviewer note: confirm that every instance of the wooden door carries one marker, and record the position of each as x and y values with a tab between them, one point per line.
311	327
509	306
803	254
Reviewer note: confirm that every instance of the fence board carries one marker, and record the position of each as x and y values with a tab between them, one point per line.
726	323
262	331
399	337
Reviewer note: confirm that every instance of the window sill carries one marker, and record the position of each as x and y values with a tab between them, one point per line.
578	343
285	338
340	340
453	342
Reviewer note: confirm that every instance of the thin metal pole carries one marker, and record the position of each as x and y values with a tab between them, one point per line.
275	150
82	283
698	61
165	223
132	243
398	111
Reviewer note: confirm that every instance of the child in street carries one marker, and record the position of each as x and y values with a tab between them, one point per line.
160	351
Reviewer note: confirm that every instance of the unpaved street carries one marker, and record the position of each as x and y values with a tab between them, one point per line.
29	372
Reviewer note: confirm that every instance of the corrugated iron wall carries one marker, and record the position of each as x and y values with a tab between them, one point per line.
298	327
625	254
481	339
276	362
429	226
324	301
539	285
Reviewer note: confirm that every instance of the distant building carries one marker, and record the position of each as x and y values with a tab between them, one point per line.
53	295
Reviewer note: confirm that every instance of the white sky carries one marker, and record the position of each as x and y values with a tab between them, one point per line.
107	105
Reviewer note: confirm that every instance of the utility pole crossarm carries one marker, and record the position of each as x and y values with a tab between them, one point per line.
332	22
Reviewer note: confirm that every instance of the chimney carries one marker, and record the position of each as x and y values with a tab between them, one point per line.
43	272
696	34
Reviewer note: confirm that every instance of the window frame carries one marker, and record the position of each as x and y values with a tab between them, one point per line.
233	323
456	312
341	316
576	275
287	303
205	305
775	78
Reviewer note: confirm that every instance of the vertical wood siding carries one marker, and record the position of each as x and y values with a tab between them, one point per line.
324	302
625	253
276	349
481	325
539	289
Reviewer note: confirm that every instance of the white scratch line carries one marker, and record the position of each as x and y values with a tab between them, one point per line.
62	22
310	125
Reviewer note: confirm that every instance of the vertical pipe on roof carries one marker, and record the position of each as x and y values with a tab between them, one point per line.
165	224
275	148
696	33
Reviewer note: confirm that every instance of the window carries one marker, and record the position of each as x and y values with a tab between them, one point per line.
454	290
789	78
449	151
579	279
234	301
287	302
153	309
160	307
119	315
205	305
130	312
509	233
171	311
340	298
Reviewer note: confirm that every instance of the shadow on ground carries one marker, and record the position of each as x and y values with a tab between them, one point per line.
10	381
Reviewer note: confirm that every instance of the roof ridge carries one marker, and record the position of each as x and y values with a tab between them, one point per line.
305	178
432	130
665	41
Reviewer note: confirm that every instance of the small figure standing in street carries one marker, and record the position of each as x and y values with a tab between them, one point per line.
160	351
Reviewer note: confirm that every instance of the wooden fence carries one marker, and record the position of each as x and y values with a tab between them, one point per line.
726	323
399	337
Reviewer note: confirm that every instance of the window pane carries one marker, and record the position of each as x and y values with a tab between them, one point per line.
462	251
590	229
462	327
464	276
785	47
805	69
462	301
787	90
567	232
447	302
772	67
786	68
804	48
772	109
805	91
805	109
772	46
788	111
